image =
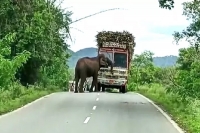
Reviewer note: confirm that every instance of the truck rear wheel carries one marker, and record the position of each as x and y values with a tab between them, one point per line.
103	88
123	89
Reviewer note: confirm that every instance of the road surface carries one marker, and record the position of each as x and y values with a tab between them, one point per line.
69	112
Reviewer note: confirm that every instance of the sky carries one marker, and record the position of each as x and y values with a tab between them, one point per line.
152	26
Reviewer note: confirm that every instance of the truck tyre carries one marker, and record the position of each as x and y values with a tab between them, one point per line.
120	90
103	88
123	89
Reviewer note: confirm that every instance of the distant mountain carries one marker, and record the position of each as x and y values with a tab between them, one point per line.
165	61
92	52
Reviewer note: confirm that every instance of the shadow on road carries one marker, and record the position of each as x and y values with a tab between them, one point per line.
112	91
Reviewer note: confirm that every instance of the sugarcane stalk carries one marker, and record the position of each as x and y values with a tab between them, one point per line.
123	40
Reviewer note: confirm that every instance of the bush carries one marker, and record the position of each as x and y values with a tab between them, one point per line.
132	86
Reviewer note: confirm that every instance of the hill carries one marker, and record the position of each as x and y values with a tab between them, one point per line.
91	52
165	61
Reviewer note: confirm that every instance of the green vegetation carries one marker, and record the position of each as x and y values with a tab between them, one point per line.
32	51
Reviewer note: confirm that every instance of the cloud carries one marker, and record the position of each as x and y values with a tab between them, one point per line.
151	25
160	47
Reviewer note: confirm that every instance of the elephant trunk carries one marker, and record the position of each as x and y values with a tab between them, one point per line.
111	68
110	64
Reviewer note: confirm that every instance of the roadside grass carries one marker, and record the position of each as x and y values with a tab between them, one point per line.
18	96
187	115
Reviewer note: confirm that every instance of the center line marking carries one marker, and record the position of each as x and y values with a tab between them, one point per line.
98	94
86	120
94	107
97	99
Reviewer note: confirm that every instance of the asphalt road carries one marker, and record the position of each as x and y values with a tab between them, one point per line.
69	112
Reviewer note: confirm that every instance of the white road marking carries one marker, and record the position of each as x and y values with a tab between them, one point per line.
98	94
165	115
25	106
97	99
94	107
86	120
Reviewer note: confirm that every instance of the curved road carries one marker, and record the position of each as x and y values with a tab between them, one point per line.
69	112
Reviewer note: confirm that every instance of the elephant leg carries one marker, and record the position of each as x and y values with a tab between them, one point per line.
77	77
81	85
92	86
95	83
85	86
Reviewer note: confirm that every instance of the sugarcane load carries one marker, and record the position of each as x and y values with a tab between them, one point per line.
118	47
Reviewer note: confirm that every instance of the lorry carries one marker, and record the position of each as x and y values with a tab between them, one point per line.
119	48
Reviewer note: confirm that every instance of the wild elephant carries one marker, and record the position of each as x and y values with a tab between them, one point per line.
88	67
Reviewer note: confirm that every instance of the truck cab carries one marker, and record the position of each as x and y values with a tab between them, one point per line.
120	59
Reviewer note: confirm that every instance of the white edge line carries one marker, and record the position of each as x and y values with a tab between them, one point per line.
163	113
94	107
25	106
86	120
